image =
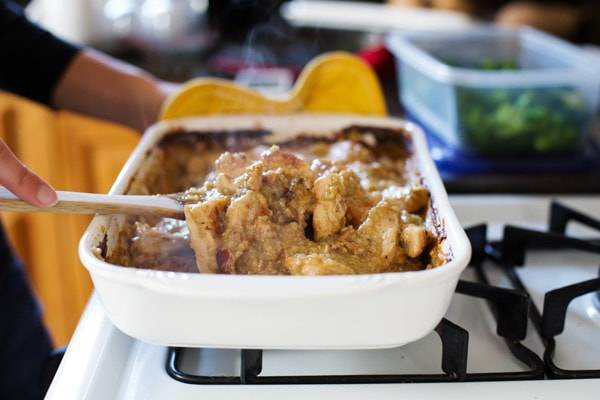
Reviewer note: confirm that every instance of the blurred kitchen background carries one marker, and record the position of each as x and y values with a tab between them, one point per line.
504	112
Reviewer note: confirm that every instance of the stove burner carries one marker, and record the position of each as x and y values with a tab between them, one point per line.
510	252
511	308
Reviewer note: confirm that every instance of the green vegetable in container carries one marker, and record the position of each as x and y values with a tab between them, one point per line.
490	64
512	121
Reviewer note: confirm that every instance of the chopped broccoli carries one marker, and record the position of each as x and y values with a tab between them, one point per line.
520	120
509	121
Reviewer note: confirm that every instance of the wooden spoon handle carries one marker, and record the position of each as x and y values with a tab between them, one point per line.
91	203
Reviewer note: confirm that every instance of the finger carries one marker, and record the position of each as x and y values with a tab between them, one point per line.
26	185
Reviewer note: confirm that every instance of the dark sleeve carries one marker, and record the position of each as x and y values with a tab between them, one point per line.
588	29
32	60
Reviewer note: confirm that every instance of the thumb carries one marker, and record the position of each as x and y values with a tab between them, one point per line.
26	185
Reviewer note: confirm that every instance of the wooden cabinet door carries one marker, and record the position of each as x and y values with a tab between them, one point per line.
73	153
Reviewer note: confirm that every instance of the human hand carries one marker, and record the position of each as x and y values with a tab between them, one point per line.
19	179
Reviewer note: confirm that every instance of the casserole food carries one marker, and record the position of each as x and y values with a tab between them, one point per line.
242	311
306	206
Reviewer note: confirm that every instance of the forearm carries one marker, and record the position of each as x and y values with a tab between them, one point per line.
98	85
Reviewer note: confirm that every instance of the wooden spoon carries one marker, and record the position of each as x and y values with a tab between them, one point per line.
169	206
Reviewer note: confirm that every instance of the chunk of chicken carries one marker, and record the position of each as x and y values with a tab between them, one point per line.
357	201
382	225
287	186
414	240
232	164
242	227
251	179
228	167
329	214
411	199
287	163
204	221
315	264
339	197
244	210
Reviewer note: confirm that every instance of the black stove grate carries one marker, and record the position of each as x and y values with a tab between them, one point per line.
454	364
556	303
511	317
551	322
511	308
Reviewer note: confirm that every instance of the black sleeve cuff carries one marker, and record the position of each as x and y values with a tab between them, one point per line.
33	59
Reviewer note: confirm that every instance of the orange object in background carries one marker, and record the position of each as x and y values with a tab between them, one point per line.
73	153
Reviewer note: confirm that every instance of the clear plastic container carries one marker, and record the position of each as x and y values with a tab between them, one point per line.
499	92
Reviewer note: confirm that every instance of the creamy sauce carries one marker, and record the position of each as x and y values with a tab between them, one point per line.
349	206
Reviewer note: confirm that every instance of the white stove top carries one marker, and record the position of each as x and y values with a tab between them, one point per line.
103	363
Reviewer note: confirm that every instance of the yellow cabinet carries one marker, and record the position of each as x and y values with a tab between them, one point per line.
73	153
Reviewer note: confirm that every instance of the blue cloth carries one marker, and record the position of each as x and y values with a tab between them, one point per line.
24	342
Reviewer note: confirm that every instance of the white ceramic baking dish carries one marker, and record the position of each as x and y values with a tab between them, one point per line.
303	312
